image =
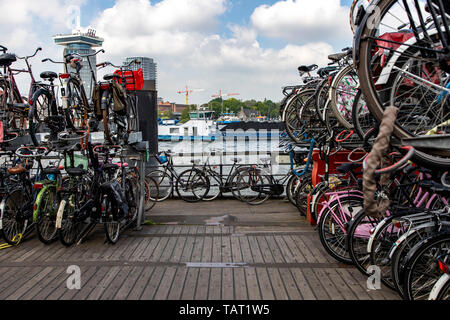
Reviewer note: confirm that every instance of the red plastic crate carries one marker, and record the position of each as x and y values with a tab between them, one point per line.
134	79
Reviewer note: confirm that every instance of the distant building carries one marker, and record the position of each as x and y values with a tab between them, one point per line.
171	107
149	67
82	44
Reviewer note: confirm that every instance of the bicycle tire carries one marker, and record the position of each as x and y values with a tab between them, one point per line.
112	222
301	194
192	181
13	229
376	106
41	101
165	184
416	258
47	209
250	179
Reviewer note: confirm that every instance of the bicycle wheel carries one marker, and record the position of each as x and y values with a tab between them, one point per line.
164	182
421	273
363	121
15	208
254	186
444	293
111	221
45	214
321	97
151	193
405	76
343	91
77	108
215	183
39	112
358	238
383	239
294	180
295	126
301	194
192	185
71	228
332	226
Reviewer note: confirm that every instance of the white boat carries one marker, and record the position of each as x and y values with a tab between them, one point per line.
201	127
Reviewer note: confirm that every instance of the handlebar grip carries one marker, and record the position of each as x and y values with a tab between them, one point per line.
351	133
396	165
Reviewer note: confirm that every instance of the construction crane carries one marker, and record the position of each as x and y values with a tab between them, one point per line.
221	95
187	92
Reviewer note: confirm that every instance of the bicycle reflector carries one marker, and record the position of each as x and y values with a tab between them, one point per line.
443	266
64	76
38	186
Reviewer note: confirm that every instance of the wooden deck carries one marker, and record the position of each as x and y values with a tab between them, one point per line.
224	250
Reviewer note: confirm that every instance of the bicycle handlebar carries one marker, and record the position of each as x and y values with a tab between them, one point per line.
92	54
48	59
32	56
444	180
396	165
33	154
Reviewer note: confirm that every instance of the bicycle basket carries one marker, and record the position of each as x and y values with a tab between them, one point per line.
79	161
134	79
161	159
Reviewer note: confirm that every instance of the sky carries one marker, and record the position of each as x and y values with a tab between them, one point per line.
250	47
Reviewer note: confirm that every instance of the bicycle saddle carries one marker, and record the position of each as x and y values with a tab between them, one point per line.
75	172
17	170
308	68
7	59
50	75
111	76
54	171
110	167
337	56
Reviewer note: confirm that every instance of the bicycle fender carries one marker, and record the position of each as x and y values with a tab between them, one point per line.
438	287
37	203
59	215
372	236
2	210
357	38
105	100
36	94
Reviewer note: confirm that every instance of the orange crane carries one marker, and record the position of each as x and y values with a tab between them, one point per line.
187	92
221	95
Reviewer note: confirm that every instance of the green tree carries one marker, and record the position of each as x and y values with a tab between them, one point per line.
185	117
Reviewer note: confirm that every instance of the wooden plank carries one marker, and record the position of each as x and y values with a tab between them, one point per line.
292	247
340	284
114	253
326	282
265	250
159	250
275	250
86	275
28	285
98	291
277	284
197	251
201	293
215	284
302	284
140	250
253	289
168	251
247	254
227	284
315	246
254	249
319	291
17	280
304	249
227	255
207	255
190	284
141	283
216	249
166	283
153	284
359	291
116	283
236	249
129	283
289	284
264	283
284	249
43	285
240	286
88	285
129	252
187	251
178	250
148	251
177	285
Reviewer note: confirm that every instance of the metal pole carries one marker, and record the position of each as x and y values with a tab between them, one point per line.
141	214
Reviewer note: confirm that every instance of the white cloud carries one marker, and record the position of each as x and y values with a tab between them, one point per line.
303	20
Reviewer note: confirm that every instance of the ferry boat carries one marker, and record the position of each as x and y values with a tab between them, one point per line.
200	127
